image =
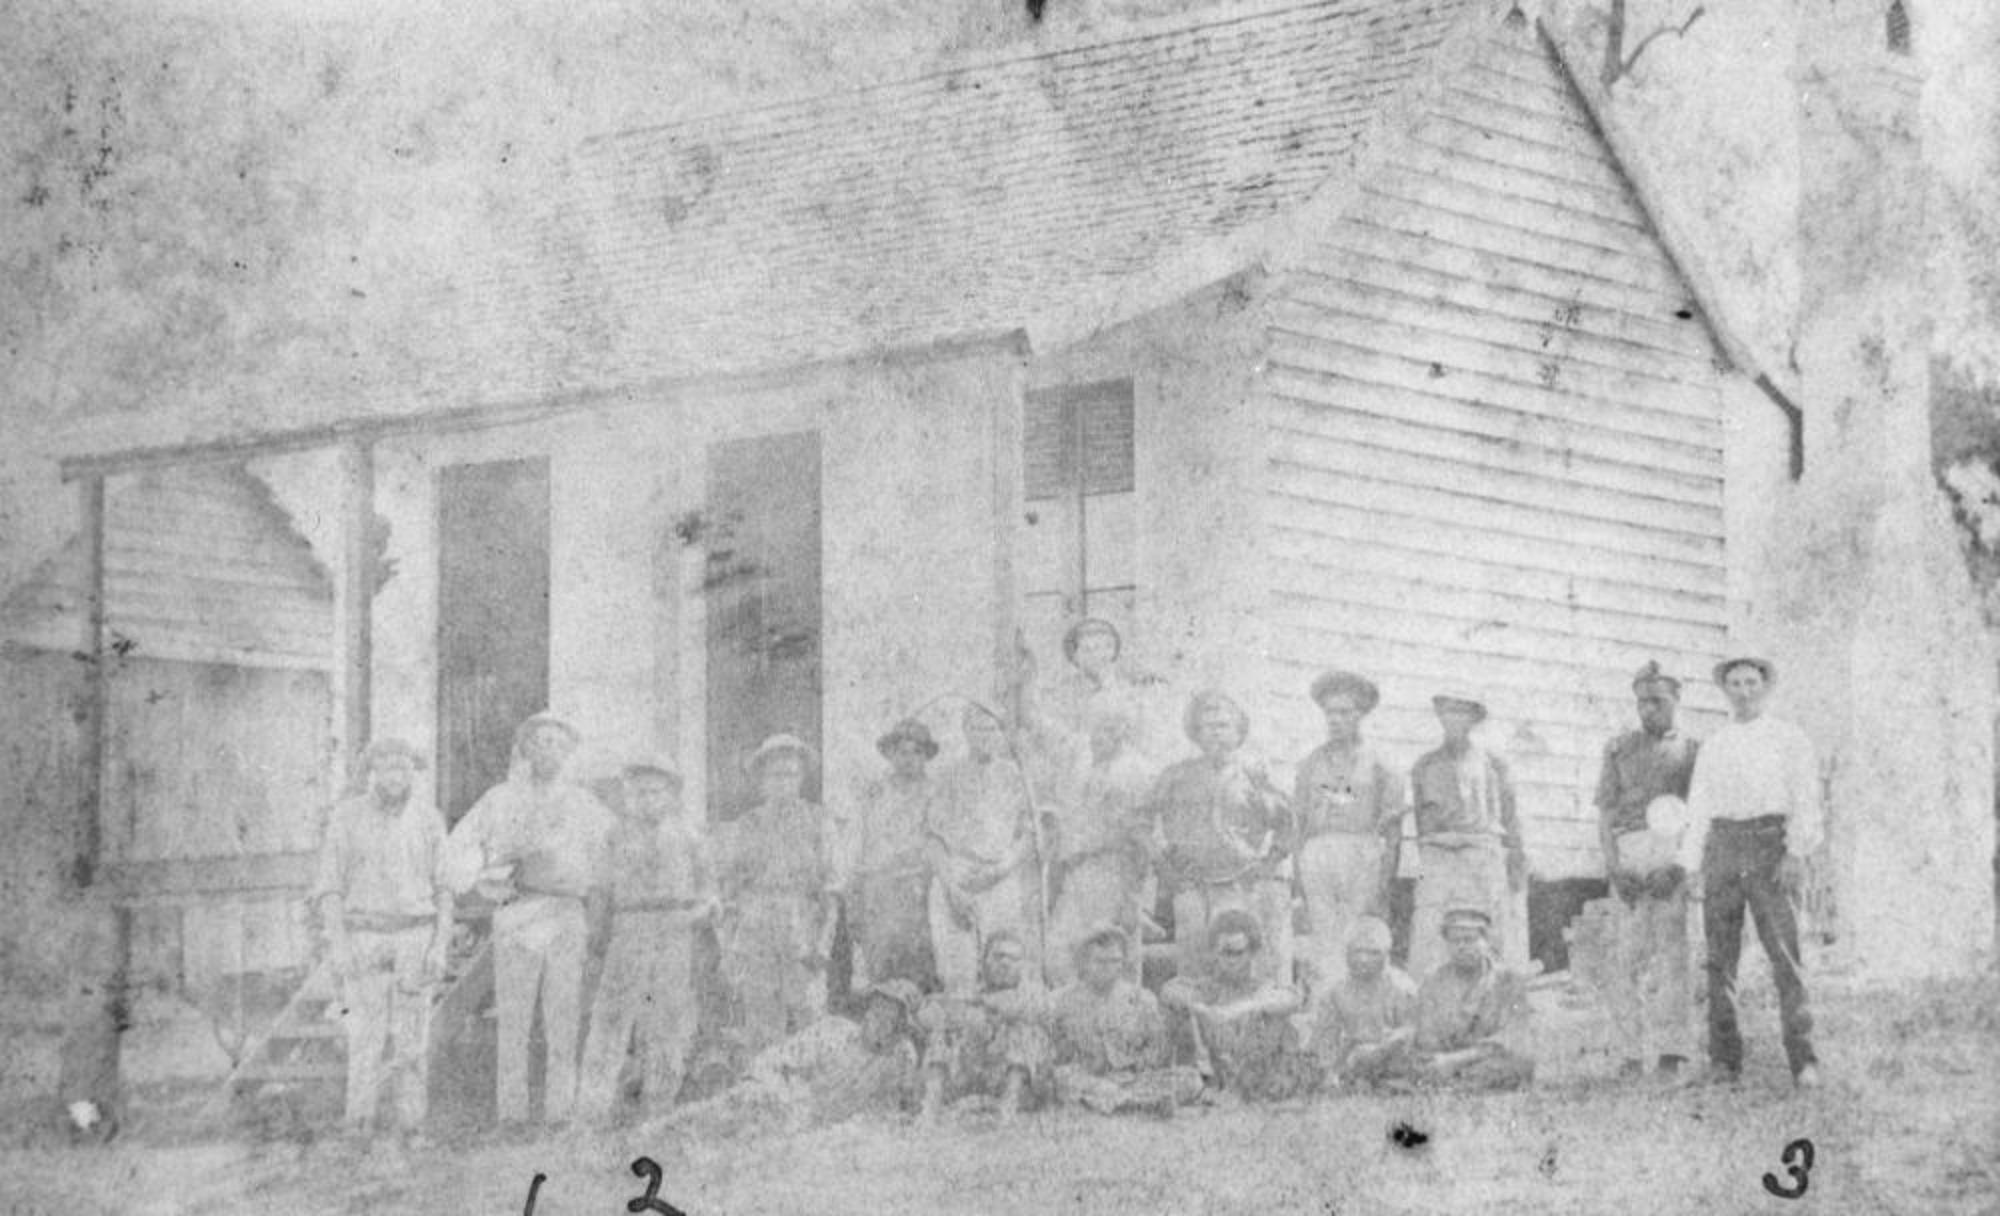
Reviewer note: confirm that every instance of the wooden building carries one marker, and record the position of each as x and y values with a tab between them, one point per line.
1292	336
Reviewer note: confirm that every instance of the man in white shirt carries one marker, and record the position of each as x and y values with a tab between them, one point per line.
1754	816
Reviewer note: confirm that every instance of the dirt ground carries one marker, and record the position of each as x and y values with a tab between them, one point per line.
1909	1121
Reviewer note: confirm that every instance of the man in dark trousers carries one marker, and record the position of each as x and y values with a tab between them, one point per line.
1754	816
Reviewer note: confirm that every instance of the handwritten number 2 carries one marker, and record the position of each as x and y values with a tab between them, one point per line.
1798	1159
649	1169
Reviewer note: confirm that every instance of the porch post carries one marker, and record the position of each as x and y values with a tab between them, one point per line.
357	599
97	685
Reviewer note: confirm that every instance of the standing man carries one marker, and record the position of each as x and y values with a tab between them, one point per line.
1468	838
661	889
779	893
889	875
387	921
985	867
1651	996
1350	803
1754	817
1100	844
544	840
1222	834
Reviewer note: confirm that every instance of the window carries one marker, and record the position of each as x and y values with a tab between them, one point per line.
1078	535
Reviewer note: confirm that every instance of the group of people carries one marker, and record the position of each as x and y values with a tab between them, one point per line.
998	910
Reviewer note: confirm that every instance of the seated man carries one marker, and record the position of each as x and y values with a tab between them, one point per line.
1469	1012
1236	1028
1111	1045
992	1044
833	1070
1366	1022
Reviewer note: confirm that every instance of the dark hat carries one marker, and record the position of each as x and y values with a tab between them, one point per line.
1650	676
544	718
382	749
1090	624
655	762
905	993
777	745
1478	918
1762	664
1458	700
1361	688
912	731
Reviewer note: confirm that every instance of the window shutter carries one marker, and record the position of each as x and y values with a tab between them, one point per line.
1078	433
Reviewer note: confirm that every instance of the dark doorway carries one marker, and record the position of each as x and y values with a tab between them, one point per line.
493	619
763	585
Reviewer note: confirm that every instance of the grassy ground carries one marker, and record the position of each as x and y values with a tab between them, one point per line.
1909	1121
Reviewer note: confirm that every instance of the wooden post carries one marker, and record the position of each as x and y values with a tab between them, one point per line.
357	600
97	685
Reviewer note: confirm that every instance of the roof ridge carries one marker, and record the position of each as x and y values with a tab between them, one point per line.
1239	12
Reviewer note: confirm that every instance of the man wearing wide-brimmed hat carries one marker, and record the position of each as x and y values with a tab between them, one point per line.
1468	837
780	892
1754	817
662	888
886	868
387	920
540	843
1641	788
1350	802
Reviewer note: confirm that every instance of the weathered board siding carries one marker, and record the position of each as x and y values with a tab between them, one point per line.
1496	444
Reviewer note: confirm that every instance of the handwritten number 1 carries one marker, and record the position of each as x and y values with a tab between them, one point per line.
1798	1159
534	1188
649	1169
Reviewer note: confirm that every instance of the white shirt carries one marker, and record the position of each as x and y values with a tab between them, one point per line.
1748	770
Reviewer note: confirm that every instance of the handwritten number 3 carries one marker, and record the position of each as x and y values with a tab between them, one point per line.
1798	1159
649	1169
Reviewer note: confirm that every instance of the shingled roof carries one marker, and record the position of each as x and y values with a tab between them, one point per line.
963	203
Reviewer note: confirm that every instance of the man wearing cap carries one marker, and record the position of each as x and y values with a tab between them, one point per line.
1112	1052
984	857
1754	817
1100	842
661	889
1468	837
1221	837
1651	995
888	873
549	839
387	921
1365	1023
1350	803
1471	1014
779	889
834	1070
1235	1026
992	1045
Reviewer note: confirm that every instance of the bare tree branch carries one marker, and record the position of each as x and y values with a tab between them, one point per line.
1617	64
